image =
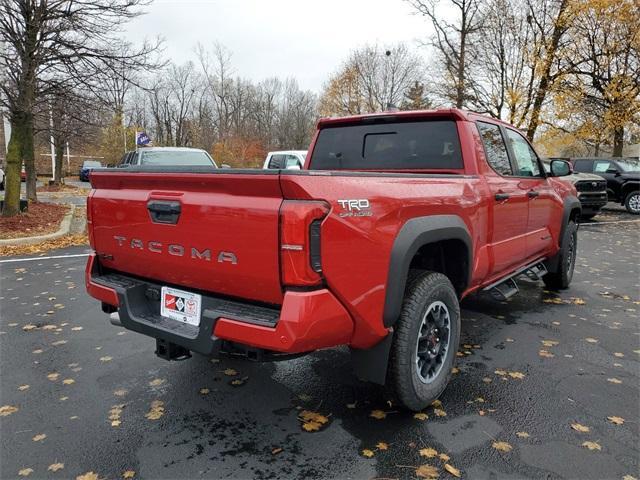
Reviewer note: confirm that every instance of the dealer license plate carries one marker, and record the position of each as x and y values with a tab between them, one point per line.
180	305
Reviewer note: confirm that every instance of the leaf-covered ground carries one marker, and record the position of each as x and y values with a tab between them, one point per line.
546	385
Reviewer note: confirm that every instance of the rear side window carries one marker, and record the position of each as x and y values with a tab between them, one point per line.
601	167
422	145
495	148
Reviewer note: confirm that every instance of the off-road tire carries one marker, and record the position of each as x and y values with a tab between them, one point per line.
422	292
632	202
561	279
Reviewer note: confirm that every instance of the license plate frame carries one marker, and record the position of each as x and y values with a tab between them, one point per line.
180	305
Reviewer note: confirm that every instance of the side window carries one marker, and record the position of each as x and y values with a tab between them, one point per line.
292	161
582	166
601	167
526	159
276	161
495	148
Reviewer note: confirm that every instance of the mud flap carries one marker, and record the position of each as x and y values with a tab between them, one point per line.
371	364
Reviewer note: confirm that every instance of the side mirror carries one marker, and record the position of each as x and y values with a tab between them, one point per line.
613	171
560	168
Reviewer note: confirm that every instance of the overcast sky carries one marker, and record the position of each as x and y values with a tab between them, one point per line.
286	38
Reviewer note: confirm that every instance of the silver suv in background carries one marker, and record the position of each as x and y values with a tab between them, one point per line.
285	160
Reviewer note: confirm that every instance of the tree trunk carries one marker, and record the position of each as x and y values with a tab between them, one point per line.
11	204
28	155
618	141
58	177
545	80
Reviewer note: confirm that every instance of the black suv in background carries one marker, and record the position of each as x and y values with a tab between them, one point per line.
622	176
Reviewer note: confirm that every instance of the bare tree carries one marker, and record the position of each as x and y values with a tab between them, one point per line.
53	44
453	43
371	80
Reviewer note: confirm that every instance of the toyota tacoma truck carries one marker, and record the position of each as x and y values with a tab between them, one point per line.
393	220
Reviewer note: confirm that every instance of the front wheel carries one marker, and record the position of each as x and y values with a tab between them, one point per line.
632	203
561	279
425	341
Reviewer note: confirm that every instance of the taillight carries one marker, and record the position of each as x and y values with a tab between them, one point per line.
89	222
300	223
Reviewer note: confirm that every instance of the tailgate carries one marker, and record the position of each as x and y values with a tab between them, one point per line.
216	232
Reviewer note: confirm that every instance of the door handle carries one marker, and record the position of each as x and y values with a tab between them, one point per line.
164	211
533	194
502	196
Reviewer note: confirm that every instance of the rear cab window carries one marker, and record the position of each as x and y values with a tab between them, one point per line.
402	145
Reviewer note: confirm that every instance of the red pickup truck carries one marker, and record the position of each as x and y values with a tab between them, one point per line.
394	219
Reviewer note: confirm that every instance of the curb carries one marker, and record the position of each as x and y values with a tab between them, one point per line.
65	226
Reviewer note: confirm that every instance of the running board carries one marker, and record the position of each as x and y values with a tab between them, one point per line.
506	287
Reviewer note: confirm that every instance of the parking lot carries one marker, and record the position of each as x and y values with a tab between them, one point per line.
547	387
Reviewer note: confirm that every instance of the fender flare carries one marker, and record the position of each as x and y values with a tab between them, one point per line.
371	364
413	235
570	205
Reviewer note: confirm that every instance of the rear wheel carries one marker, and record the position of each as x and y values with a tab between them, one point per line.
632	203
561	279
425	341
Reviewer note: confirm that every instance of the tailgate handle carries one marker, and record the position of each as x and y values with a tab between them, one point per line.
164	211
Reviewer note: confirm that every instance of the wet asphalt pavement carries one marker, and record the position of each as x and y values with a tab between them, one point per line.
91	397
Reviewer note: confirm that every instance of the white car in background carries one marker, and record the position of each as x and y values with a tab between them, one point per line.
286	159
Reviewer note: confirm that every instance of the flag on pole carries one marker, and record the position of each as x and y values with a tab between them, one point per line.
142	139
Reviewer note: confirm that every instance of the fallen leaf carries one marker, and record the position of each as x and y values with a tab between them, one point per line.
580	428
629	477
304	397
455	370
230	372
59	342
444	457
592	445
579	301
53	376
517	375
618	354
352	405
28	327
88	476
439	412
502	446
120	393
500	372
22	388
156	411
616	420
156	382
115	423
128	474
428	452
311	426
522	434
25	472
382	446
76	329
546	354
614	380
427	471
106	359
7	410
68	381
550	343
378	414
367	453
452	470
420	416
436	403
54	467
204	391
276	451
591	340
39	437
236	382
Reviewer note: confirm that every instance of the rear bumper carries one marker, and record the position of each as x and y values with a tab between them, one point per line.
306	321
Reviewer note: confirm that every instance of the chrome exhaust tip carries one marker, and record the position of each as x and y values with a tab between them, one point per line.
114	318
